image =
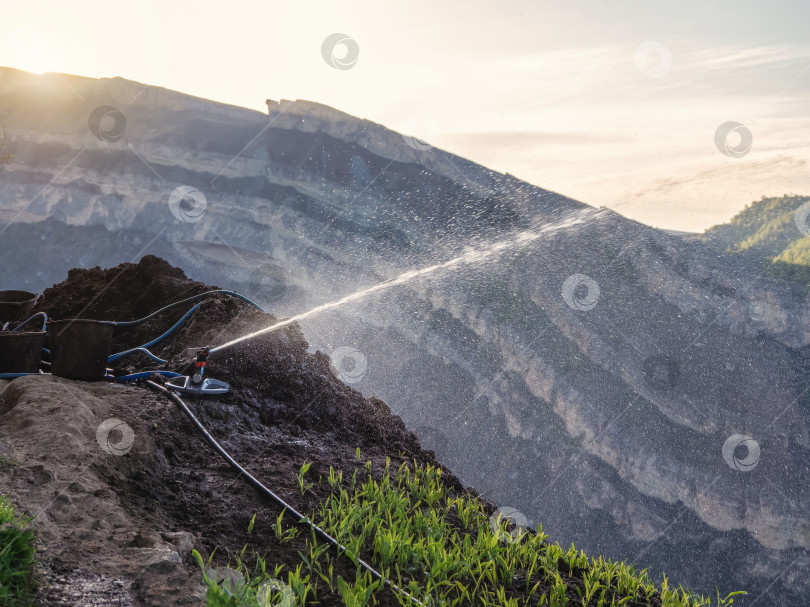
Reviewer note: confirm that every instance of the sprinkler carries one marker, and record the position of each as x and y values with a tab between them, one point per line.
198	383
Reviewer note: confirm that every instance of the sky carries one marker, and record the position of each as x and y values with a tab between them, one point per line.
675	114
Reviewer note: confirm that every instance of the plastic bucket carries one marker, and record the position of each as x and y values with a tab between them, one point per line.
20	351
80	347
16	305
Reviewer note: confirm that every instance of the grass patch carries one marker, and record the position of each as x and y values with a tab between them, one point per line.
16	556
441	548
7	463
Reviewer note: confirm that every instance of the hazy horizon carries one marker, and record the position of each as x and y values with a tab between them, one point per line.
617	106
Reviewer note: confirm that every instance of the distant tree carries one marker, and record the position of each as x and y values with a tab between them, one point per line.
6	157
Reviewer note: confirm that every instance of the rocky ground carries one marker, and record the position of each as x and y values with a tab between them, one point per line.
120	484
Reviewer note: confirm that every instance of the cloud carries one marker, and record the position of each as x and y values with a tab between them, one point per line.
608	75
749	172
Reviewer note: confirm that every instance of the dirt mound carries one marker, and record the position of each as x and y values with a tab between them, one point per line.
126	292
117	527
272	373
59	474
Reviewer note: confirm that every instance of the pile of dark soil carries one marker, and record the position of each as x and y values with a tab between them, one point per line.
286	407
272	374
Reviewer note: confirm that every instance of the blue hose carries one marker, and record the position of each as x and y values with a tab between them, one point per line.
173	328
129	323
15	375
120	378
145	374
143	349
37	315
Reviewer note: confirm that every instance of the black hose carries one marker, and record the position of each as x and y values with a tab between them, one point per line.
258	485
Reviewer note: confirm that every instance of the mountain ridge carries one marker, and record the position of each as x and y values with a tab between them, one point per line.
774	232
589	378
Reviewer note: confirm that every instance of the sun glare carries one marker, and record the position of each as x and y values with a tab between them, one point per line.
31	50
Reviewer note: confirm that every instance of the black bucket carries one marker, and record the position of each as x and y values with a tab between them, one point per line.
16	305
20	351
80	347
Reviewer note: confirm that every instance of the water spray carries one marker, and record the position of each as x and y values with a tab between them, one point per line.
469	257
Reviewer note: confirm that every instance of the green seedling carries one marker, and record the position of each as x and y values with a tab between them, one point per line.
284	535
335	478
438	546
304	487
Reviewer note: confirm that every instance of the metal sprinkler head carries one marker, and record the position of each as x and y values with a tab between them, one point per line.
198	384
